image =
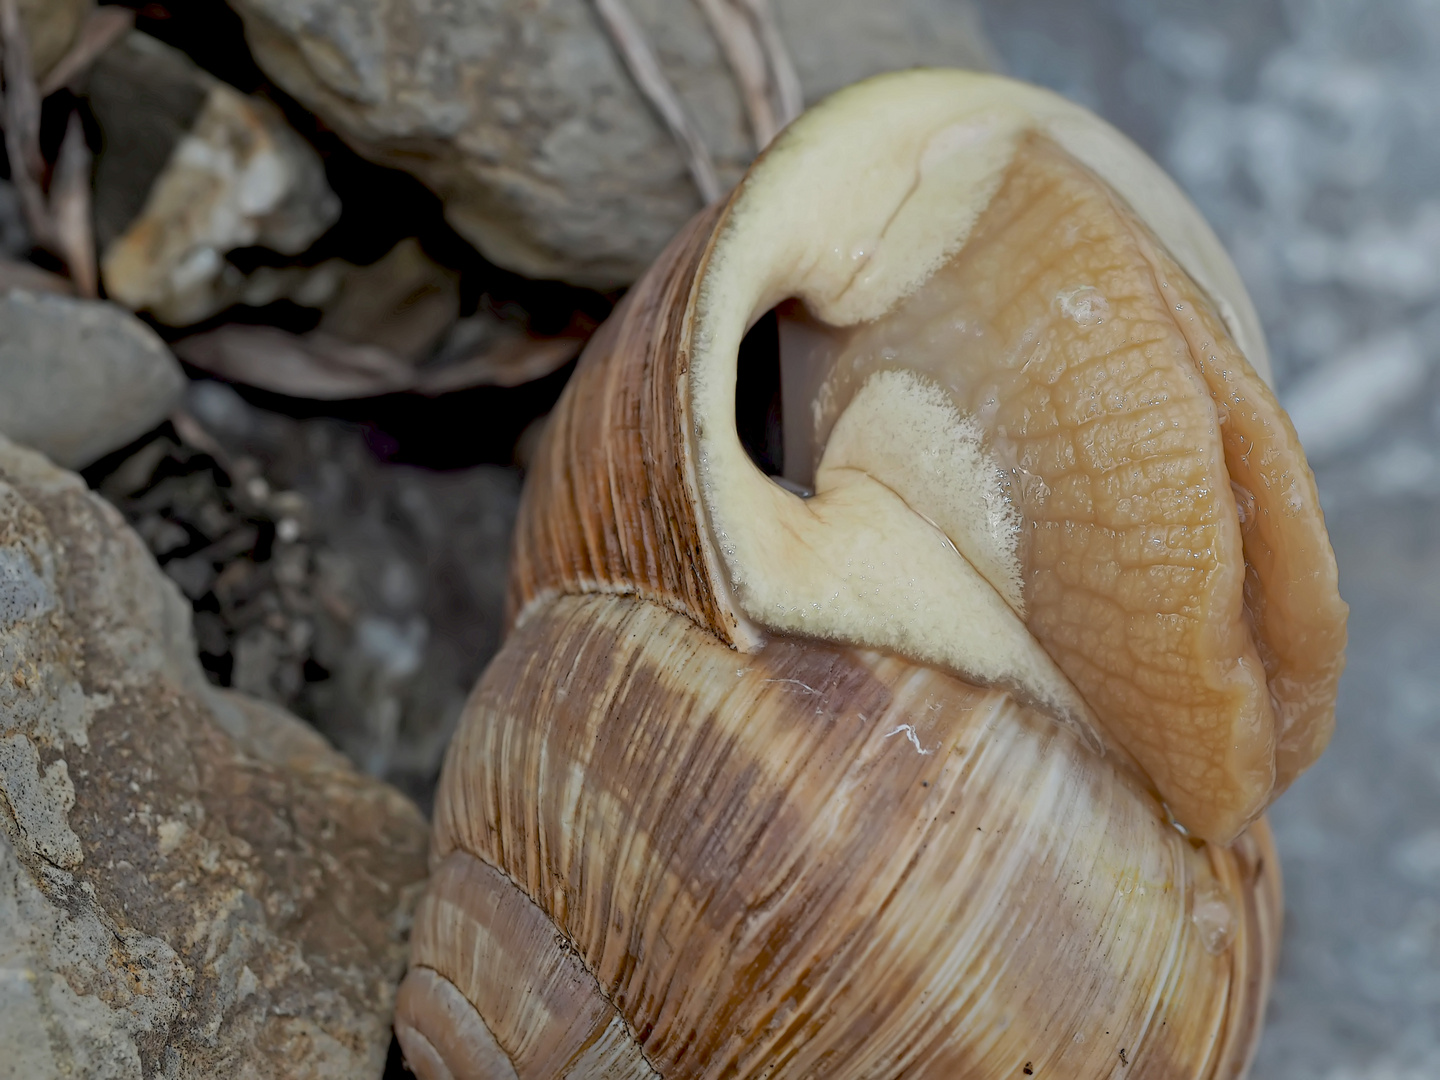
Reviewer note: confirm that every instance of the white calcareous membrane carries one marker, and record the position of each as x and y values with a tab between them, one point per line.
904	430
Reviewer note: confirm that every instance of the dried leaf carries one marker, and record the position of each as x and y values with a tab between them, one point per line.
70	209
313	365
510	363
322	367
22	124
404	303
27	276
105	26
630	41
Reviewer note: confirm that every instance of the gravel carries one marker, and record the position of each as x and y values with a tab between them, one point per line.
363	595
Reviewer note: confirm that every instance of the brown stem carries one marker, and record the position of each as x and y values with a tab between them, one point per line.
789	99
105	26
22	125
70	209
759	61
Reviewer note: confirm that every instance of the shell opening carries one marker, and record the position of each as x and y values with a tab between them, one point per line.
1016	373
758	400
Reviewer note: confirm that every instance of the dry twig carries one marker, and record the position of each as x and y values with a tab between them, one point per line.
193	433
789	98
755	50
630	41
105	26
70	209
22	125
28	276
60	222
322	367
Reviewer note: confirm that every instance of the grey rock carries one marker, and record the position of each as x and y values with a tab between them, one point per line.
189	170
79	378
145	97
192	884
523	119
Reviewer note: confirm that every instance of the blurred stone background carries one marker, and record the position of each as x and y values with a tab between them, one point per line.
332	476
1308	131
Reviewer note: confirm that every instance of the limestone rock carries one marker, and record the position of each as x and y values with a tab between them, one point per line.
79	378
522	118
190	169
191	883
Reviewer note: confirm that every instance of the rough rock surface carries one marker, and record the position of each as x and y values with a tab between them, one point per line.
366	596
192	169
79	378
522	117
191	884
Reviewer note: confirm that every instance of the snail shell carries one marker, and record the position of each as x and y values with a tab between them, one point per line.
884	781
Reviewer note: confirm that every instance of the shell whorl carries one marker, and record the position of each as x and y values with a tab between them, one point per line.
816	861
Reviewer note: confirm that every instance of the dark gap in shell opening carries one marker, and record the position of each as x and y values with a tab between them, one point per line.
758	409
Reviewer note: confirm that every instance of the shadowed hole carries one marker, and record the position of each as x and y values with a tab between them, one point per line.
757	396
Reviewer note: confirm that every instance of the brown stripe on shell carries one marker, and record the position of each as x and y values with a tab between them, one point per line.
814	861
610	503
531	993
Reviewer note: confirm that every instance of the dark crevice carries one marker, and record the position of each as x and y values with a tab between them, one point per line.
479	426
757	396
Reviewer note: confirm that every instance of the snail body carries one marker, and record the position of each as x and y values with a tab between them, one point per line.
878	771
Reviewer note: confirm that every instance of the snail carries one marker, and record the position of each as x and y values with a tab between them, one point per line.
943	749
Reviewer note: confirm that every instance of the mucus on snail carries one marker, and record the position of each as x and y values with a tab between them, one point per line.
884	781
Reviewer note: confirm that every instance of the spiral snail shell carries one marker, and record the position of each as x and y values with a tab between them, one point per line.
944	753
